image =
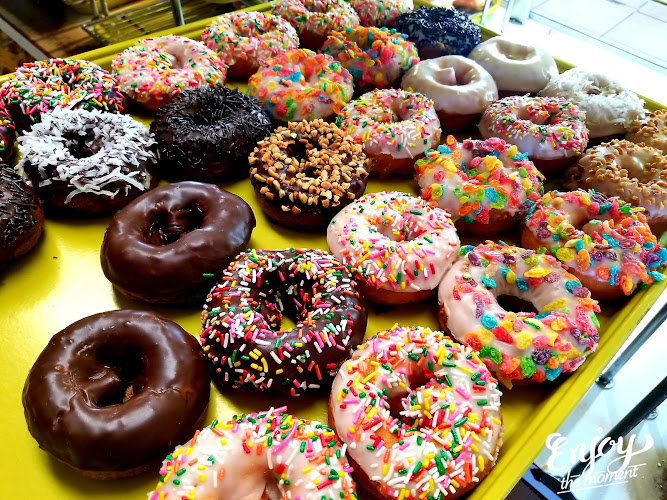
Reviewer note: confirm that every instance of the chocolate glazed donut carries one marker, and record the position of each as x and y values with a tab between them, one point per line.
170	245
114	392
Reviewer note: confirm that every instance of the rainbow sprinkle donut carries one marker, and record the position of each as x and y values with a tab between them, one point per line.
605	242
395	126
483	184
550	130
242	39
375	57
7	134
155	70
301	85
420	415
41	86
398	245
381	12
521	346
315	19
257	452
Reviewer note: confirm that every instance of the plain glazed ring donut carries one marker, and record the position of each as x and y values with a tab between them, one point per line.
42	86
170	246
420	415
636	174
113	392
652	131
398	246
243	39
517	68
460	89
381	12
605	242
396	127
306	172
550	130
242	317
155	70
258	455
7	134
610	108
486	186
522	346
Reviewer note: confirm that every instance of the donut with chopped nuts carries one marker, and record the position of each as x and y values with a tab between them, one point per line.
635	173
652	131
306	173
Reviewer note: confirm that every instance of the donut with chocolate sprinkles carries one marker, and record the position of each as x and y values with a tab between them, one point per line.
305	173
241	322
208	133
21	216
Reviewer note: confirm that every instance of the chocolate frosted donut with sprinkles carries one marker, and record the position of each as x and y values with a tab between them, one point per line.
242	317
439	31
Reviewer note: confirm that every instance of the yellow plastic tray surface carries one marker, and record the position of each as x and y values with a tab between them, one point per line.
61	281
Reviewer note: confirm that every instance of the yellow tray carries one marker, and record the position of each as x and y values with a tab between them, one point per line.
61	281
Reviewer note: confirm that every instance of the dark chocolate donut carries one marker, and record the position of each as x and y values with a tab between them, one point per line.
113	392
21	216
7	134
208	133
305	173
170	245
242	316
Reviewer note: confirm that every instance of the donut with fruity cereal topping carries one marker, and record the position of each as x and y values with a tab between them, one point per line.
605	242
381	12
520	347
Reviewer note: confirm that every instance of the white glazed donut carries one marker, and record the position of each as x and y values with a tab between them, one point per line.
420	415
258	455
460	89
516	67
398	245
610	107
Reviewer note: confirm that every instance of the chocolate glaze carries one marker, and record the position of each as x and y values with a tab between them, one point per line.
171	244
73	396
208	133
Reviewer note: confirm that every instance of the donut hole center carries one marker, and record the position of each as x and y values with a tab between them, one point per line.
397	402
123	377
205	116
453	77
169	226
514	51
82	145
515	304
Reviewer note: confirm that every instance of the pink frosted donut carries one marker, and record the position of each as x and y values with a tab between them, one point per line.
155	70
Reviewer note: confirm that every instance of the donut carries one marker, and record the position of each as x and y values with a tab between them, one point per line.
381	12
636	174
520	347
395	127
439	31
155	70
517	68
375	57
469	4
419	413
486	186
550	130
605	242
652	131
306	172
87	162
258	454
7	134
460	89
42	86
241	322
398	246
315	19
21	216
111	394
301	85
208	133
610	108
242	39
170	245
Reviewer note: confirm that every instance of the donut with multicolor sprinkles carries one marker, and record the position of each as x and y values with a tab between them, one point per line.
155	70
523	346
256	453
7	134
242	316
381	12
484	185
420	415
605	242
